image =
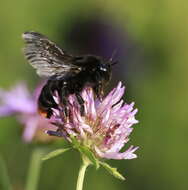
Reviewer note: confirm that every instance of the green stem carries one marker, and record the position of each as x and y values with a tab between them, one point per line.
4	178
81	174
34	169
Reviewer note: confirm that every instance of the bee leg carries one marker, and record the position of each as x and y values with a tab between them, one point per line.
98	90
65	106
64	103
81	102
64	100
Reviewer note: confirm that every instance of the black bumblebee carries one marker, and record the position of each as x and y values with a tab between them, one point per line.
66	74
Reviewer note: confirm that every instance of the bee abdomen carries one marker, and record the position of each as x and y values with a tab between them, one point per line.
46	100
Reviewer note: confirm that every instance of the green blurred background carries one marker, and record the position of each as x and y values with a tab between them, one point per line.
151	38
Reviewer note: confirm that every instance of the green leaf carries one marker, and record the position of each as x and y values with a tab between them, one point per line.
75	142
87	152
112	171
55	153
4	178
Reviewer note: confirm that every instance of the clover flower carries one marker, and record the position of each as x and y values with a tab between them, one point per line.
105	127
20	102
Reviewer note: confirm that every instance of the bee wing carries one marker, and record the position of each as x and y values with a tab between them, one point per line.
46	57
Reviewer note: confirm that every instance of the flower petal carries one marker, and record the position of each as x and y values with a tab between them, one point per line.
128	154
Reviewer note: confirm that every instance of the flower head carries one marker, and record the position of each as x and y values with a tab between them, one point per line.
105	126
20	102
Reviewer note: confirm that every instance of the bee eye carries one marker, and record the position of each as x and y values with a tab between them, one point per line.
103	69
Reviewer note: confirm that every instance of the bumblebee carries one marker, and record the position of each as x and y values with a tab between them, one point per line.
66	74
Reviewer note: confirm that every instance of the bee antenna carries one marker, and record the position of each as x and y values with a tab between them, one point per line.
114	63
113	55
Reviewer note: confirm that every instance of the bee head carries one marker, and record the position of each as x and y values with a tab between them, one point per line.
95	66
104	69
101	68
